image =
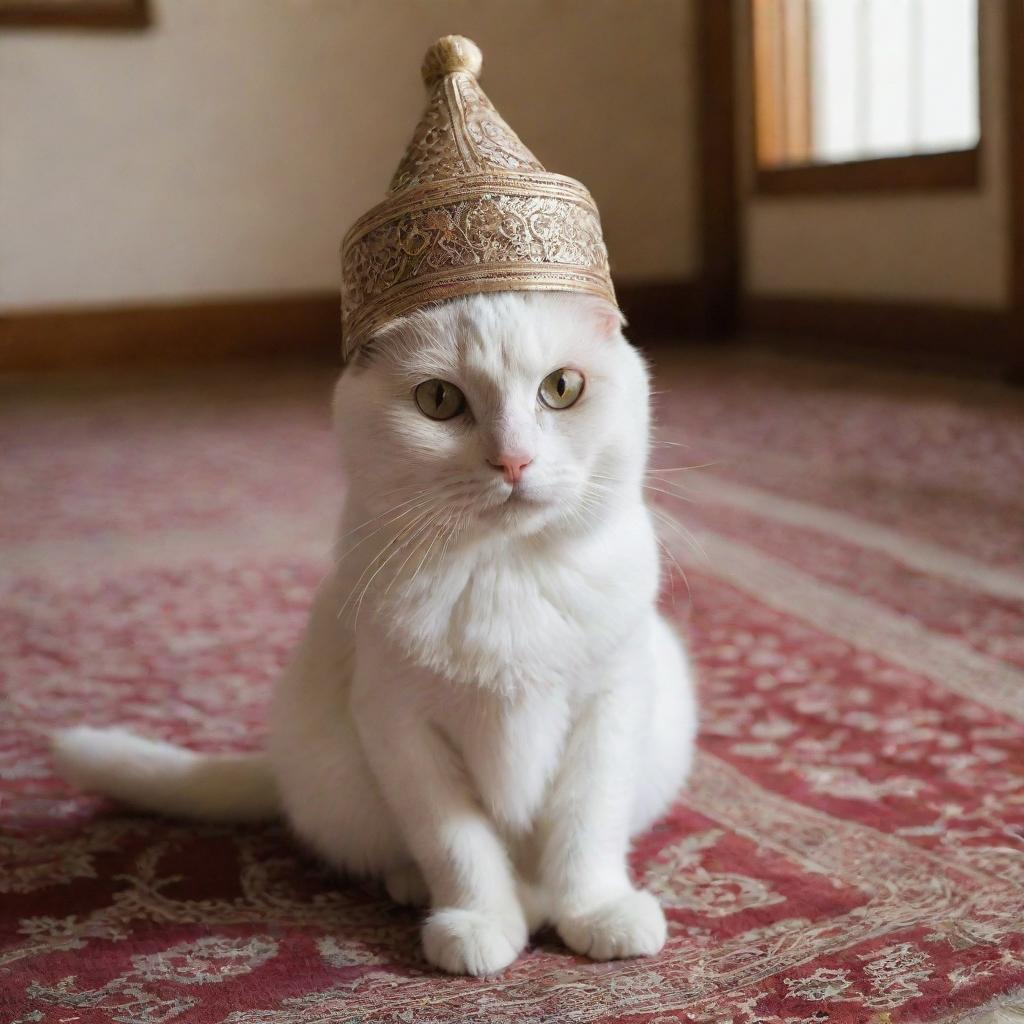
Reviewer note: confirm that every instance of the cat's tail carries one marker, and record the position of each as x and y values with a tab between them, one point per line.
159	777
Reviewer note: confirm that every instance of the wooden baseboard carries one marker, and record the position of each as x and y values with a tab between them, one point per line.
664	310
304	326
904	331
102	15
307	326
162	334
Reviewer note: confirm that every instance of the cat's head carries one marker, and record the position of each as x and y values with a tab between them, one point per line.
512	412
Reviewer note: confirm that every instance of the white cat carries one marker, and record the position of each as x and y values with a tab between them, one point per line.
486	704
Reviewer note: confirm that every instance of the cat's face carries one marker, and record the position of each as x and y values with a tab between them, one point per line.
509	412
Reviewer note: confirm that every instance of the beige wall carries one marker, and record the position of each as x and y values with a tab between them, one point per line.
942	247
225	151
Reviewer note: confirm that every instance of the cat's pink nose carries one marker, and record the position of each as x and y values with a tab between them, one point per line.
512	465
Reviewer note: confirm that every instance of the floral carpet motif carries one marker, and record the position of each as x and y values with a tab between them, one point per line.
848	564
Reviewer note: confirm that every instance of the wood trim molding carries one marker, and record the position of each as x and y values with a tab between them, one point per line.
78	14
718	195
1015	100
305	326
781	73
896	329
664	310
200	331
923	172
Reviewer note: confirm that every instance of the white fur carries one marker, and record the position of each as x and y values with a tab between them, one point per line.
159	777
486	704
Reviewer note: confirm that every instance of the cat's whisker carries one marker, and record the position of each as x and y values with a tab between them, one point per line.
694	541
339	558
409	511
670	493
682	469
610	479
426	555
673	487
451	535
683	532
381	515
408	536
424	527
395	490
593	502
666	521
675	561
458	479
663	518
587	506
395	544
401	569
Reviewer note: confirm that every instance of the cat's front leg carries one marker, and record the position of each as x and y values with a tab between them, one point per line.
594	905
476	924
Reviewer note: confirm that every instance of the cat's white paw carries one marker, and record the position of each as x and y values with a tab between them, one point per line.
632	924
472	941
407	886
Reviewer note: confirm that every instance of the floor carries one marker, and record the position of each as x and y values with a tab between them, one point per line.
845	551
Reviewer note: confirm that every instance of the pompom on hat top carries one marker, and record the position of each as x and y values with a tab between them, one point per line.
470	209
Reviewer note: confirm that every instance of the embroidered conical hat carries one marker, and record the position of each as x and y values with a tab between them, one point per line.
470	209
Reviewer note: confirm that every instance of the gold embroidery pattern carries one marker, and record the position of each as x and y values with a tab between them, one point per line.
470	209
437	150
495	145
432	155
480	241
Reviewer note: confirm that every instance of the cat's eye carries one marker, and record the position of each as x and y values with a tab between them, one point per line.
439	400
560	389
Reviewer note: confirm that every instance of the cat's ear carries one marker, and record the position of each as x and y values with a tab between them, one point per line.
605	318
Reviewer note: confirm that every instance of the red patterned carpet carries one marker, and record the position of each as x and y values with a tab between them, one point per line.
850	848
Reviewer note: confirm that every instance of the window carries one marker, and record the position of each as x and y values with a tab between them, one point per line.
853	94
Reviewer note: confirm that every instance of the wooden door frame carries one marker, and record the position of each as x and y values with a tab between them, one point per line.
1015	139
718	200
